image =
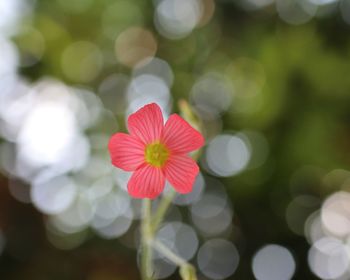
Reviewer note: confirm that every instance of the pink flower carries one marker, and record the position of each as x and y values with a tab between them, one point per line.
156	152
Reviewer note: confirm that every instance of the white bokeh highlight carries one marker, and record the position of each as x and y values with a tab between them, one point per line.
273	262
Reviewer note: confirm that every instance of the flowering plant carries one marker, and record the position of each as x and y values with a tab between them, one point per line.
156	152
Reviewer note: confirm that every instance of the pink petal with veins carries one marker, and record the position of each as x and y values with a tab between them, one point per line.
180	137
146	182
181	171
126	152
146	123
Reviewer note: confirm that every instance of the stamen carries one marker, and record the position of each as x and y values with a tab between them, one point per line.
156	154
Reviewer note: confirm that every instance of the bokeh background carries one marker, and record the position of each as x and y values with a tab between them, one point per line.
270	81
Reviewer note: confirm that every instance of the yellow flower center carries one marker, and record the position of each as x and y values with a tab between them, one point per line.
156	154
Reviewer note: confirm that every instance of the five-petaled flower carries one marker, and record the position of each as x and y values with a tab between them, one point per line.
156	152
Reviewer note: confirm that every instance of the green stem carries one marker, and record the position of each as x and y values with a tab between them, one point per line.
187	270
162	209
148	230
170	255
147	236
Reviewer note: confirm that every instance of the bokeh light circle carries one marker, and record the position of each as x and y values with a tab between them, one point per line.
329	258
213	92
335	214
227	155
273	262
295	11
54	195
156	67
217	259
175	19
180	238
134	45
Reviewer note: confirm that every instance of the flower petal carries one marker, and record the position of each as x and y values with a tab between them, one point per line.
181	171
146	182
180	137
126	152
146	123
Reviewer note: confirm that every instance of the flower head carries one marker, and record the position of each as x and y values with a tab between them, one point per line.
156	152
